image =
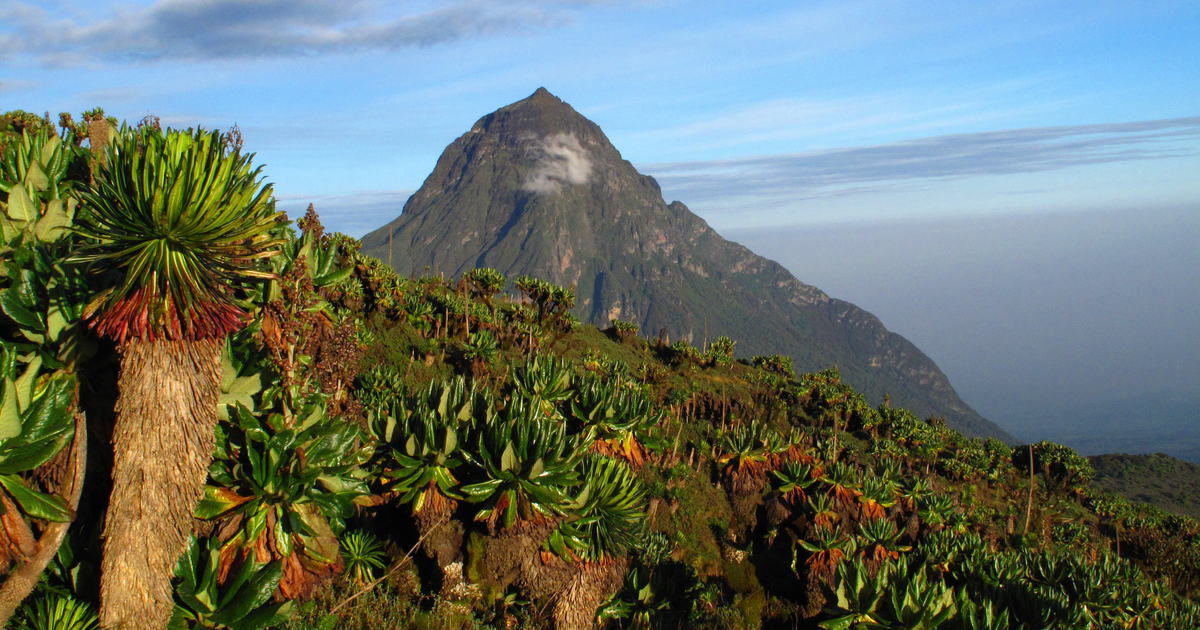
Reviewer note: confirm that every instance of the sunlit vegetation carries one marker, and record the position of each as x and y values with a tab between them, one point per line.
460	453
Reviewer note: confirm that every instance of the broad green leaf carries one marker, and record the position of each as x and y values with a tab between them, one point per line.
32	455
12	305
50	226
267	616
283	538
50	414
186	568
508	460
254	593
36	178
218	501
240	392
10	416
37	504
56	322
21	207
24	384
334	277
451	440
49	149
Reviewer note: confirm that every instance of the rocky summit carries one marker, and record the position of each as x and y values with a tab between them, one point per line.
535	188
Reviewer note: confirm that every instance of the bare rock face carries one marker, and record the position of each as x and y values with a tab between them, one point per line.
535	188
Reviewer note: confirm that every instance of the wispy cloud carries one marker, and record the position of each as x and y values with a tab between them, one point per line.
885	167
247	29
560	159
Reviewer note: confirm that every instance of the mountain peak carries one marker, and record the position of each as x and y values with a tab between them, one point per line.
536	188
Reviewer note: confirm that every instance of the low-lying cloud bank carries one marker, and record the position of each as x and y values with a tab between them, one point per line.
831	172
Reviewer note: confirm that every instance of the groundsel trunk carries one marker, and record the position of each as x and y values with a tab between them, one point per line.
163	444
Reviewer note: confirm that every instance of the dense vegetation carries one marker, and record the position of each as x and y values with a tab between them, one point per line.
429	452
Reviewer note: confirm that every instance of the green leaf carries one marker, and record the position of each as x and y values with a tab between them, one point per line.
32	455
13	305
478	491
267	616
36	178
333	278
52	224
283	538
37	504
24	384
508	460
185	569
240	392
10	416
8	229
21	207
56	322
218	501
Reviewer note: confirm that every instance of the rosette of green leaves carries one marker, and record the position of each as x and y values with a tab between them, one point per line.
775	363
37	192
792	481
52	611
545	382
320	255
551	301
485	282
481	346
239	602
605	517
419	440
36	422
915	601
378	390
42	297
858	597
614	414
185	216
293	483
748	450
529	464
720	352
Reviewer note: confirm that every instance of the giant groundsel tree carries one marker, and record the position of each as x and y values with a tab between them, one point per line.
177	219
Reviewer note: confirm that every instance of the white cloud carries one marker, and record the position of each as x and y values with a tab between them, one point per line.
560	159
248	29
853	170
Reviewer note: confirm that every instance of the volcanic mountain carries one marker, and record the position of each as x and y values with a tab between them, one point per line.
535	188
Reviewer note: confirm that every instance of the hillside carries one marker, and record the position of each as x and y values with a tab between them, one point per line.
430	453
1159	480
535	188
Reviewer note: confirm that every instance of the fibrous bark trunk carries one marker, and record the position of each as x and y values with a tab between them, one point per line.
163	444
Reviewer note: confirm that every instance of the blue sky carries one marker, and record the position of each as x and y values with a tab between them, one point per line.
754	114
763	117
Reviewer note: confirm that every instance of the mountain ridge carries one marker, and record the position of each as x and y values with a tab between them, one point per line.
536	188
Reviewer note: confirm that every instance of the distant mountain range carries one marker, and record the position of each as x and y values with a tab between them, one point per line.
535	188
